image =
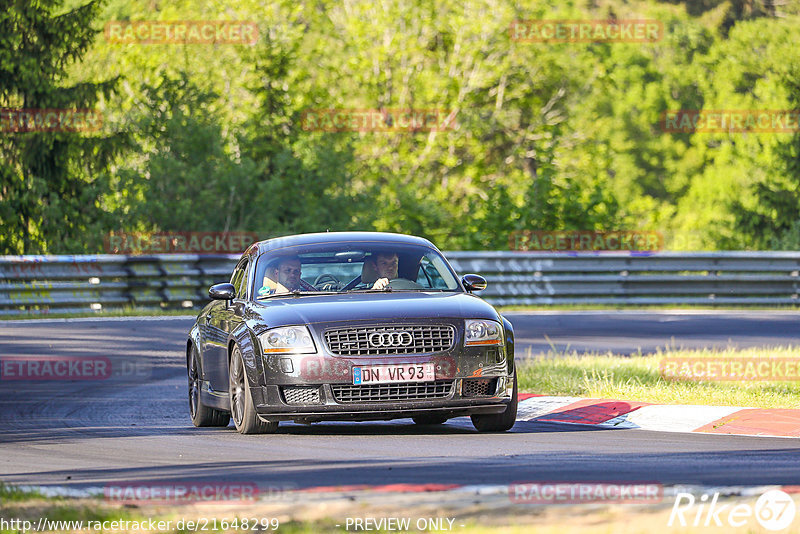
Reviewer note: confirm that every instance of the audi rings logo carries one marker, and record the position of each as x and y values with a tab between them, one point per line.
391	339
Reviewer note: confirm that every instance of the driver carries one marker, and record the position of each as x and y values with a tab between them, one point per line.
284	277
386	264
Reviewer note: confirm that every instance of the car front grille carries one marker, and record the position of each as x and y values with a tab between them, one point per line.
367	341
478	387
301	395
345	393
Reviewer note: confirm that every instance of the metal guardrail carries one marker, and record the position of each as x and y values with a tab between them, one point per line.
714	278
50	284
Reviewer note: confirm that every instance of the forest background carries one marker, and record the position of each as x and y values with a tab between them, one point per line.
548	136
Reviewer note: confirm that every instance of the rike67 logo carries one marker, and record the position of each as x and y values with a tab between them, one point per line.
774	510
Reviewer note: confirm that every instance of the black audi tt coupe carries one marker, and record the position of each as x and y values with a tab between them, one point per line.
349	326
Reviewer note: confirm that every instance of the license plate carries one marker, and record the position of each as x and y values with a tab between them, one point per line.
388	374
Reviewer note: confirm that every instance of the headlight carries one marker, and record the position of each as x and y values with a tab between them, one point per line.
288	340
483	332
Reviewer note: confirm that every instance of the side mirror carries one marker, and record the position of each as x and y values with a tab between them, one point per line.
473	282
222	291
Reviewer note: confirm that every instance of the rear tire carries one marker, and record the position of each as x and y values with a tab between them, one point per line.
499	422
201	414
243	409
430	420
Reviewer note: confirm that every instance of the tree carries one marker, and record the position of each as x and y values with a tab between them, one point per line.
185	178
773	221
200	170
52	182
303	183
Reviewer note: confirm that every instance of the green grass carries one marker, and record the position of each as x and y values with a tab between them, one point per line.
638	378
14	494
31	505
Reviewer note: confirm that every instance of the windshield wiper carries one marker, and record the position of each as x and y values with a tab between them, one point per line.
296	293
387	289
431	290
423	290
390	289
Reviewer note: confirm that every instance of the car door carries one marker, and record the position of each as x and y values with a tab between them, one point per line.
222	319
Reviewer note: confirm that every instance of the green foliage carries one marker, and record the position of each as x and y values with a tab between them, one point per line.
9	493
52	182
303	181
724	14
184	179
547	136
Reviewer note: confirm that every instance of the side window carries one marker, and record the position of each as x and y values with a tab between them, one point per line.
239	279
429	275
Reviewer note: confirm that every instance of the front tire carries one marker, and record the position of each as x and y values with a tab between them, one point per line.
243	409
201	414
498	422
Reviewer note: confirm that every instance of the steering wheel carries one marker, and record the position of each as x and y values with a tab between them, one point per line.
328	280
404	283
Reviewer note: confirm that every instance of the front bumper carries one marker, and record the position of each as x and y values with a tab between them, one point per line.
327	392
272	404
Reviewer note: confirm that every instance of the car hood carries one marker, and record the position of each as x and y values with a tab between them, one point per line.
371	306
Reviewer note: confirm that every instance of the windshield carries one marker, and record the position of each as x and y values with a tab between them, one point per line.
349	267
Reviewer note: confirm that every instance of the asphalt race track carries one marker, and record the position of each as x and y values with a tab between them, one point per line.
134	425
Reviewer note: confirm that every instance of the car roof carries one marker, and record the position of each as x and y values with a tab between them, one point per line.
336	237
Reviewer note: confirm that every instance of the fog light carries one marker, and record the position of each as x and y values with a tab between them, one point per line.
494	356
286	365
